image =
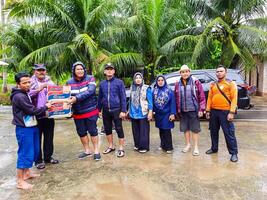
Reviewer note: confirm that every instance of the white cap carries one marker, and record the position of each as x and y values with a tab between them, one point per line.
184	67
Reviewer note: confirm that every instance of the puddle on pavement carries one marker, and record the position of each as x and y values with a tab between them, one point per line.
154	175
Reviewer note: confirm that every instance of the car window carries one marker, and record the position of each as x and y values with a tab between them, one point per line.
203	78
235	77
172	80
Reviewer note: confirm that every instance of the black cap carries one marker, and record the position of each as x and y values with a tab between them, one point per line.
39	66
109	65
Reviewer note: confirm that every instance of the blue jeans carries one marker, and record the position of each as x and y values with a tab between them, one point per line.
28	146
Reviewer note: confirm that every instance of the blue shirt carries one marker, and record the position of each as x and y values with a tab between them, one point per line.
136	113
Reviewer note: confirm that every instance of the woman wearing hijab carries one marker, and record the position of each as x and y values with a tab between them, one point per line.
140	111
165	110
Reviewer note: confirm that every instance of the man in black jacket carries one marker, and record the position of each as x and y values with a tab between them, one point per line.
27	133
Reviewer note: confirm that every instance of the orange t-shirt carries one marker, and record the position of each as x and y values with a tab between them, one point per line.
217	101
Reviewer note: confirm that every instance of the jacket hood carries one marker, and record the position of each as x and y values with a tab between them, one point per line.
15	91
73	69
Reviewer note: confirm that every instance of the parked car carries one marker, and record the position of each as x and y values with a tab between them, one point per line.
206	77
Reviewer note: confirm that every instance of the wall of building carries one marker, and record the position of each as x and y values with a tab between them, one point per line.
264	78
258	77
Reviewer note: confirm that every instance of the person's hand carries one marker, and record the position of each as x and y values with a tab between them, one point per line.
122	115
172	117
207	115
150	115
230	117
127	116
200	114
100	114
72	100
43	86
48	105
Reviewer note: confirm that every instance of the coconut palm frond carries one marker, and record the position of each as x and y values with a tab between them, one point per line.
84	40
178	43
252	38
45	54
126	60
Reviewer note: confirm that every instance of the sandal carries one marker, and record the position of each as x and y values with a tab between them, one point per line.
120	153
40	165
108	150
52	161
195	152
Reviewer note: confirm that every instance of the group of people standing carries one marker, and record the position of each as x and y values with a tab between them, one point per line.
187	102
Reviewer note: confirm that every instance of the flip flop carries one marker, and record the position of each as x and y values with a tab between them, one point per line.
108	150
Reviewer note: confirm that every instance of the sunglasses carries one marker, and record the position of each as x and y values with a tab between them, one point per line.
40	70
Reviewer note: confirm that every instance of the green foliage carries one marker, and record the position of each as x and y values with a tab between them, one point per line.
234	25
5	98
127	81
153	36
10	78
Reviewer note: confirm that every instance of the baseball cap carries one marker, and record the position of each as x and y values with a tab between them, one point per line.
109	65
39	66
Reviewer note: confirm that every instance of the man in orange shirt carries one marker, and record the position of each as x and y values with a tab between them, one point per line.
221	107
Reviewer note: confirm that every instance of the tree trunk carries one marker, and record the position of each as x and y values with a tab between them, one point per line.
4	86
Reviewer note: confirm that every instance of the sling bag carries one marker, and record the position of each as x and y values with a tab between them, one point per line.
225	96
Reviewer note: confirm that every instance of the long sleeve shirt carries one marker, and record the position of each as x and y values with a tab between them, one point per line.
136	113
217	101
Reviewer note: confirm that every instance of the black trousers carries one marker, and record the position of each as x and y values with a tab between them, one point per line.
141	128
166	139
218	118
46	129
108	118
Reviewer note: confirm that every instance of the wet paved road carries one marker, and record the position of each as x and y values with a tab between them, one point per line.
154	175
252	114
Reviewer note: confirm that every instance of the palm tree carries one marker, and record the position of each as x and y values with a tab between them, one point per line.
144	28
239	26
4	86
71	29
99	31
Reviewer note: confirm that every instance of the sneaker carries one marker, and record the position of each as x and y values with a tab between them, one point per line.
135	148
160	149
84	155
97	157
234	158
210	151
169	152
186	148
142	151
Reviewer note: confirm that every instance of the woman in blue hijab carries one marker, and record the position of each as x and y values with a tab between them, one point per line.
165	110
140	111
